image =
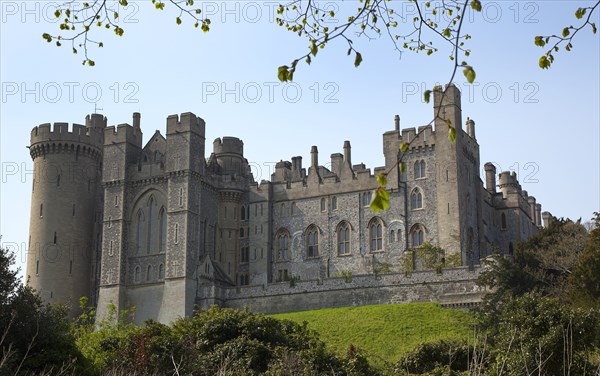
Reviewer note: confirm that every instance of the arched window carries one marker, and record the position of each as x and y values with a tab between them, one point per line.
241	232
163	230
343	238
282	241
151	226
138	274
416	199
392	236
376	235
417	235
420	169
140	232
161	272
323	204
149	273
417	170
334	203
503	218
294	208
243	213
312	241
367	199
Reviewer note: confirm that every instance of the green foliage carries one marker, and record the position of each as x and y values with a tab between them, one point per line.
430	256
384	332
380	268
34	337
538	333
346	274
543	263
446	355
584	281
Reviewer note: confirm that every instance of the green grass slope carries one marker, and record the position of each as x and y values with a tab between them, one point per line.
385	332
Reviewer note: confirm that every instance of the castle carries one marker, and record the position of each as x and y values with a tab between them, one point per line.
165	229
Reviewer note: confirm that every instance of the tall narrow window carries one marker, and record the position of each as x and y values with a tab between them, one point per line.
376	235
55	237
138	274
140	232
58	181
111	252
282	244
116	200
503	218
323	204
161	271
343	239
241	232
71	267
423	169
416	199
180	196
392	236
41	210
163	231
312	241
37	267
151	226
177	233
73	213
243	213
417	170
417	235
334	203
149	273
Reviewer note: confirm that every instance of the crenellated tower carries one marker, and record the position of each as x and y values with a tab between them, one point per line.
65	220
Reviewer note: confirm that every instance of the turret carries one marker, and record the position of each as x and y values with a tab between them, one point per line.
508	183
471	128
538	215
547	218
532	206
490	177
185	138
229	153
65	192
447	107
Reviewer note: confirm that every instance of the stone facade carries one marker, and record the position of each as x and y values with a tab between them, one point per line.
165	229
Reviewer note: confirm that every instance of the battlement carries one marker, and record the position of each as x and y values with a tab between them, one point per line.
60	132
122	133
186	122
228	145
508	182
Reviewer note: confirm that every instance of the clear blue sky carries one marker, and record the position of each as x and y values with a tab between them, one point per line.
542	124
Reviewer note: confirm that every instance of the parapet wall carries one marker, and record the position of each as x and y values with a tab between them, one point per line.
228	145
455	286
60	132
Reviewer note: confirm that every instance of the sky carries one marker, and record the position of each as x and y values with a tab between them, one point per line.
542	124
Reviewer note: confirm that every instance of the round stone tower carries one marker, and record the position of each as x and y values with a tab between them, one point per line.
65	210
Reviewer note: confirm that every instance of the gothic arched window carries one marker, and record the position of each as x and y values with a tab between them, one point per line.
151	223
503	218
282	241
416	199
140	232
417	235
312	241
343	238
376	235
163	231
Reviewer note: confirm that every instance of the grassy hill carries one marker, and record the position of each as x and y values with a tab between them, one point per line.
385	332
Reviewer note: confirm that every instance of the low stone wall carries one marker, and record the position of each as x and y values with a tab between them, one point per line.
453	287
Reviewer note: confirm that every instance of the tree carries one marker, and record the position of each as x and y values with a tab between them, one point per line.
584	281
34	337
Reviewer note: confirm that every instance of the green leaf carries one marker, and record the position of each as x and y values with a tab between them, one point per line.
380	200
382	180
580	13
476	5
469	74
544	63
565	32
57	13
404	147
402	167
358	59
452	134
593	25
282	73
313	48
427	96
178	21
539	41
91	63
